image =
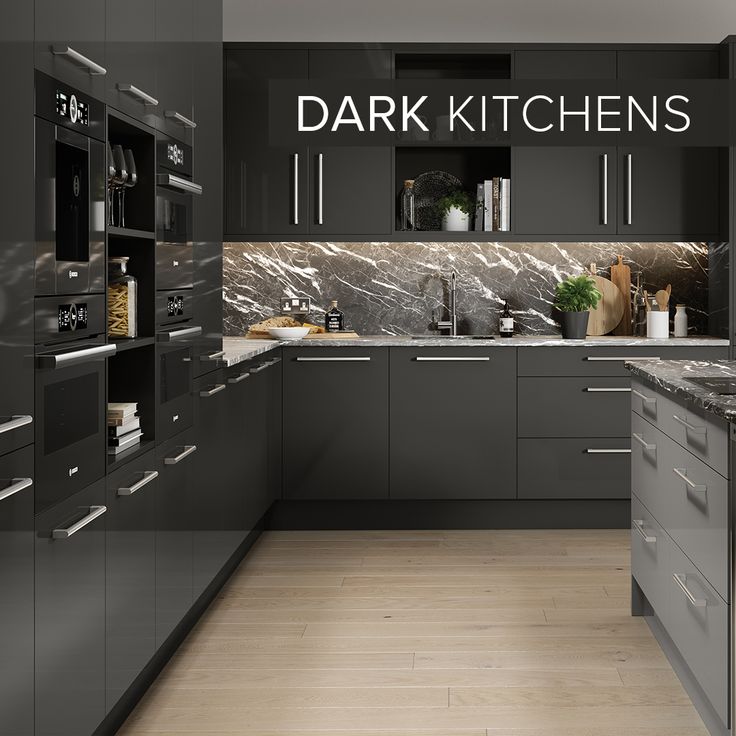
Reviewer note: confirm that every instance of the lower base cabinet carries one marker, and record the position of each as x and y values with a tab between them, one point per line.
70	615
16	593
174	532
130	579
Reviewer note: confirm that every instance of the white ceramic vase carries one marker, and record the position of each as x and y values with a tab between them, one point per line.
455	220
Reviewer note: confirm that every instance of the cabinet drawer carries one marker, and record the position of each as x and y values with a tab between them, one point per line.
574	407
650	557
649	467
698	625
704	434
603	361
574	468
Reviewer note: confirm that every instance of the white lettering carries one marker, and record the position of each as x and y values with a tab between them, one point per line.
505	100
375	115
651	122
565	113
679	113
603	113
525	113
353	119
457	113
310	128
407	113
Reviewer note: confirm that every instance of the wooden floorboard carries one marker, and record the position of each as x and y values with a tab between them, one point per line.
435	633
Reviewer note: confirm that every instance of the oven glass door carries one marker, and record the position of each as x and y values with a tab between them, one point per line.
173	216
70	430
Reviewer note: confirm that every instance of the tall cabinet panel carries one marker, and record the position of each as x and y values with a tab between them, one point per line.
265	186
70	43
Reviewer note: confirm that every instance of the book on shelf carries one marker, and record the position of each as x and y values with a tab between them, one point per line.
496	215
496	203
505	205
127	425
119	444
479	206
121	409
488	205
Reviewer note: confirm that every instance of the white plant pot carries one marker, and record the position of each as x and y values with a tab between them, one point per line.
455	220
658	325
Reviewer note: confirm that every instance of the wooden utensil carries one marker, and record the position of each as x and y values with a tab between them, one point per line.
646	301
610	308
621	277
662	297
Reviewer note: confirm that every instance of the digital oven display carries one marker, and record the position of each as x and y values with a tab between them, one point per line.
175	306
69	107
72	317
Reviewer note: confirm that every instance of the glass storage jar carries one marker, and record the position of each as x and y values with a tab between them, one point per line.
122	298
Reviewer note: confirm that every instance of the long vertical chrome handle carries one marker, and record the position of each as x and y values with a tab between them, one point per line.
296	189
646	399
92	66
699	487
690	427
94	512
320	190
148	477
681	581
646	445
604	189
628	189
639	526
17	485
243	199
15	422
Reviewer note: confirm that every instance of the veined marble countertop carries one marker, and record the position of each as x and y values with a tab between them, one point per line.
672	376
238	349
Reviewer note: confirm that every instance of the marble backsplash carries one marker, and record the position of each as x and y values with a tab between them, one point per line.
395	288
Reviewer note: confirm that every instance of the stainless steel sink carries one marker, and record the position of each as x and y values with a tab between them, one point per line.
453	337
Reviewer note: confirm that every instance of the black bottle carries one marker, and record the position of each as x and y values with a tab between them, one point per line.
506	323
334	318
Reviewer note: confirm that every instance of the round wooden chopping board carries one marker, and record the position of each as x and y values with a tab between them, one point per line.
606	316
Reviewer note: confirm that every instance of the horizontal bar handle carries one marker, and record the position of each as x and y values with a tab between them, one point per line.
188	450
452	359
239	378
15	422
346	359
213	356
609	451
16	486
62	360
179	118
134	91
613	358
214	390
174	335
639	526
646	399
646	445
688	426
92	66
274	361
259	368
148	477
607	390
179	183
94	513
681	581
699	487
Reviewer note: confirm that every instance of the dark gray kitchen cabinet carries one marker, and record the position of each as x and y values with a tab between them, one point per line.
453	423
275	426
335	423
174	67
174	536
130	579
70	43
130	49
351	185
217	501
564	190
265	186
668	64
16	584
17	235
70	614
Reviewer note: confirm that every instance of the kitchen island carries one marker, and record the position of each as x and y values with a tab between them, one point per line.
681	525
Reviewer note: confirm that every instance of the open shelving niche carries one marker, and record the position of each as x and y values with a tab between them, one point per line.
471	164
131	371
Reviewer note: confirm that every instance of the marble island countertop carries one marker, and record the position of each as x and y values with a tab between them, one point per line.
239	349
672	376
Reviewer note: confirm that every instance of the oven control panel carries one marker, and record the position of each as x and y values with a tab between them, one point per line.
69	107
175	306
72	317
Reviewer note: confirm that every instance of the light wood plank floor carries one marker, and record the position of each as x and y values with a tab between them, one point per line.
457	633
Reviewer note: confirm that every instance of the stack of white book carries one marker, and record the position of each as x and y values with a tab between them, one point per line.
493	205
123	427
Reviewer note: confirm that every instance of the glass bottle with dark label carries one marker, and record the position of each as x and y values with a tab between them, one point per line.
506	323
334	318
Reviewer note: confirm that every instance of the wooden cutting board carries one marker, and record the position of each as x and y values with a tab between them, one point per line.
332	336
621	277
610	308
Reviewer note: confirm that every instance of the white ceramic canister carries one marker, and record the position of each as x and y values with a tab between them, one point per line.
658	324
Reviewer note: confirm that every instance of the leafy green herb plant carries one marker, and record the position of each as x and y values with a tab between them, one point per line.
577	294
460	199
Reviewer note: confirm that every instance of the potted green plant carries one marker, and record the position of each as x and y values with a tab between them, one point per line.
573	298
456	209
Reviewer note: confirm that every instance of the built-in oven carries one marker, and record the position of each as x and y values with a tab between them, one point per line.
70	378
70	190
174	192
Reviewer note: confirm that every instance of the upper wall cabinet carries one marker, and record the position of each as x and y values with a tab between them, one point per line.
130	50
70	43
297	190
174	38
